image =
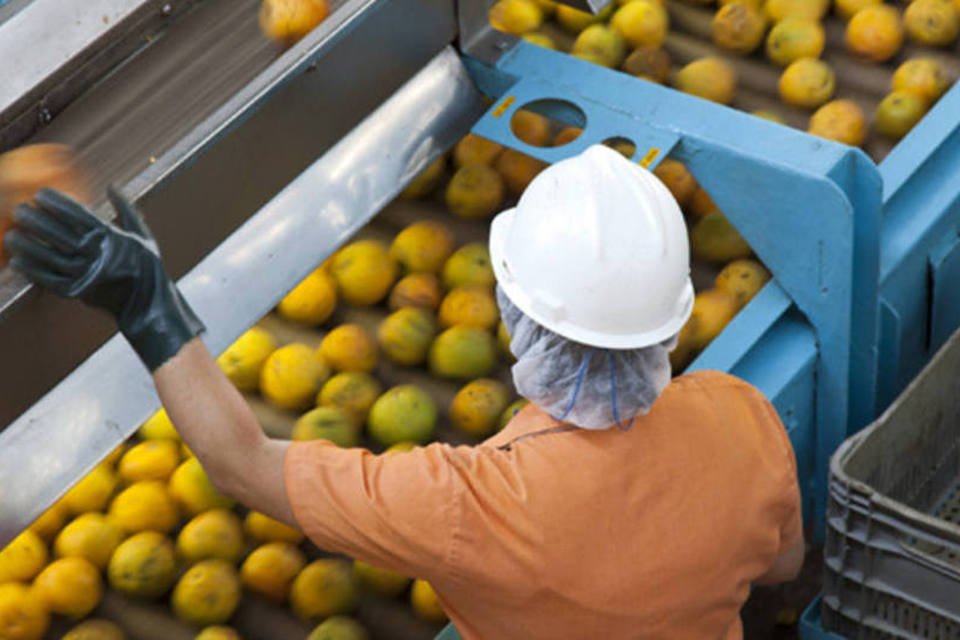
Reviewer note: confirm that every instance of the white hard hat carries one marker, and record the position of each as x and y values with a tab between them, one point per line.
596	250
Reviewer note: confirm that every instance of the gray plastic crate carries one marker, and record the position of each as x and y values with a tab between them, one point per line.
892	553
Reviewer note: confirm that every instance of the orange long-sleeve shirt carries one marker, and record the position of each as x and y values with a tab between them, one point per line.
548	531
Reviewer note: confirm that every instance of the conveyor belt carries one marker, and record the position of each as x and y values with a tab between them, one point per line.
162	93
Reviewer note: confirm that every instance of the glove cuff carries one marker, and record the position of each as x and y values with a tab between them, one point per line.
157	337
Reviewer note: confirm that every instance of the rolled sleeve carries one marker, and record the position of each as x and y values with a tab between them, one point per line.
397	511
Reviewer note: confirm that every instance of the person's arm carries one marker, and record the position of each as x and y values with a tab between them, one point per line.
62	246
222	431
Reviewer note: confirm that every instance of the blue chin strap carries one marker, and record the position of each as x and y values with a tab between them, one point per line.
613	395
615	405
581	374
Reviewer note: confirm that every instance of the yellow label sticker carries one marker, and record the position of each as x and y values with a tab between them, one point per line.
651	156
503	106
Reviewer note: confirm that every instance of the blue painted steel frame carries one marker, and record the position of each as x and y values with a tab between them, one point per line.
808	207
919	248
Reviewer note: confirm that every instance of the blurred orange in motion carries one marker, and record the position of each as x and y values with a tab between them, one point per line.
27	169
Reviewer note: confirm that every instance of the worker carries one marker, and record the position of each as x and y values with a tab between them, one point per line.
618	504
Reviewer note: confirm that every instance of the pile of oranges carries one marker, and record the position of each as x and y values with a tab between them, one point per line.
913	40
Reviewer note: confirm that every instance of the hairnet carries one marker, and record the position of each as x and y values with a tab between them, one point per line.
590	387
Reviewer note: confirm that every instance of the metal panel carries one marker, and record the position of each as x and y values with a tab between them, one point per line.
81	41
208	182
111	393
944	280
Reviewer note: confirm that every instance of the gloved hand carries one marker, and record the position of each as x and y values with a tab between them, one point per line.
61	245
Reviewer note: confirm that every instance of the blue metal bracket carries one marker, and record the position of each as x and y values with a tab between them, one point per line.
919	274
602	123
810	209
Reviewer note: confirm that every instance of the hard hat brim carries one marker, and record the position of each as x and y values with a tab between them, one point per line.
500	231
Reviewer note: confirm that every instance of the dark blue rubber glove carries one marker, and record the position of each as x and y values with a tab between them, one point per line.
59	244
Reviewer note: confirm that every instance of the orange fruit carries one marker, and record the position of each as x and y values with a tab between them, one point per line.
641	23
22	558
810	9
473	149
650	63
925	77
92	492
515	16
27	169
541	40
846	8
423	247
795	38
324	588
932	22
292	375
701	204
715	239
708	78
406	334
421	290
286	21
768	115
364	271
208	593
713	310
427	181
157	427
327	423
312	301
349	347
192	490
270	569
530	127
214	534
743	279
69	587
469	265
352	391
518	170
23	616
91	536
382	581
424	601
475	192
875	33
405	413
512	409
463	353
840	120
49	523
243	360
144	506
339	628
95	629
574	21
807	83
601	45
143	565
471	306
566	136
477	407
263	528
738	27
898	113
150	460
677	179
